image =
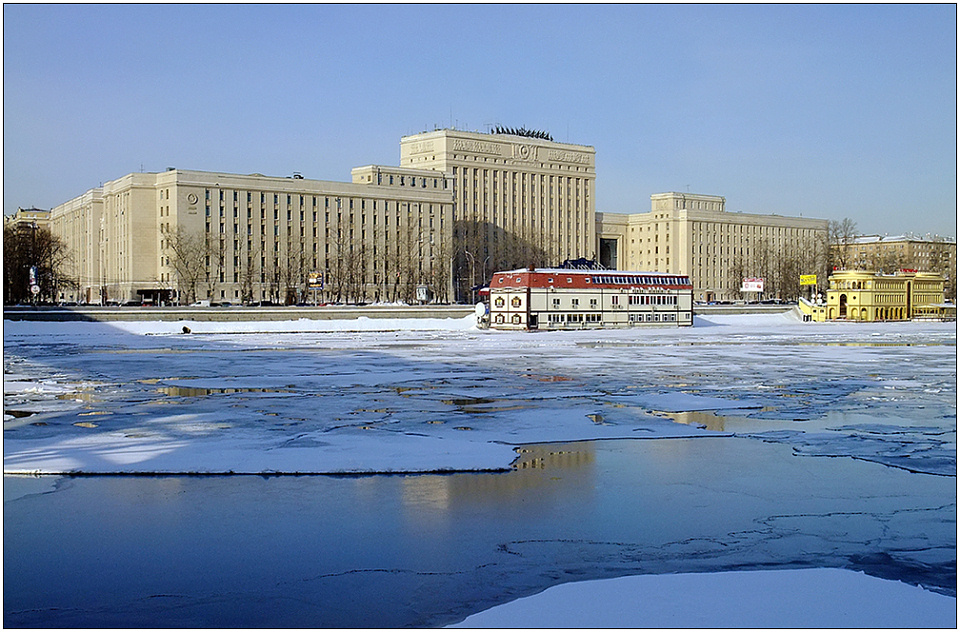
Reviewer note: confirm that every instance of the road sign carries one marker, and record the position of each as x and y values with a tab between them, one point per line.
808	279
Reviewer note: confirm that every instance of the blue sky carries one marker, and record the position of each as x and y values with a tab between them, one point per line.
827	111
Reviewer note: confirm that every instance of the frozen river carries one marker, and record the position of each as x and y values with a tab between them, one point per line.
742	443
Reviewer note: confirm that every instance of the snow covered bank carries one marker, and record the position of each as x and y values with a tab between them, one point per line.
301	325
809	598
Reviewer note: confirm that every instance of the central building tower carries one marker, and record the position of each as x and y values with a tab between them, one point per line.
518	200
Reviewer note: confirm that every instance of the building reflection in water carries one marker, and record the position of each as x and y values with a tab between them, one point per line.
550	468
699	418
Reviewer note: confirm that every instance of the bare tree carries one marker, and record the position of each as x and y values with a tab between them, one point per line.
840	234
189	260
248	273
294	274
440	265
27	247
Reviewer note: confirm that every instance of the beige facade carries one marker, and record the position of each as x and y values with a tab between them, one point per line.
28	217
695	235
887	254
258	237
517	200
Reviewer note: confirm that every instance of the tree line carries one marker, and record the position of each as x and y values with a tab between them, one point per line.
357	274
29	247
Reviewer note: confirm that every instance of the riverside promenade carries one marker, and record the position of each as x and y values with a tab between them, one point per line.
281	313
233	314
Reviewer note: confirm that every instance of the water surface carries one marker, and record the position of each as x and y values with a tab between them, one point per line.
428	550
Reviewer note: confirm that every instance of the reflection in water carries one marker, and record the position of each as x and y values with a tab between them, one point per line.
81	396
555	456
19	414
188	391
701	419
482	404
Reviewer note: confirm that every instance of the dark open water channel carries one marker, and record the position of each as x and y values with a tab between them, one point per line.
428	550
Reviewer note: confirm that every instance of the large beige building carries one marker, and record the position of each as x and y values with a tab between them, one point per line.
695	235
517	200
460	206
184	235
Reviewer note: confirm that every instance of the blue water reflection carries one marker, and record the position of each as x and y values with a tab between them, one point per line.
427	550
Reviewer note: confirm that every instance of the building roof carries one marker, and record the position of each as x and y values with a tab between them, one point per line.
875	239
572	271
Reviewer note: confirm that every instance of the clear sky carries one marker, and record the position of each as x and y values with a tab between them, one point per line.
823	110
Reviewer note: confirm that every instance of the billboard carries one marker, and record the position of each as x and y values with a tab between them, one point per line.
315	281
752	285
808	279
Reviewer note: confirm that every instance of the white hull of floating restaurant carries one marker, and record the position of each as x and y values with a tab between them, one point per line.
557	298
860	296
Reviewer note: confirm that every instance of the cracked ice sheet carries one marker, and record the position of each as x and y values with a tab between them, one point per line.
448	397
807	598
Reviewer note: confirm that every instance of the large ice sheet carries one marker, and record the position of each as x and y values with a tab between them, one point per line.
438	395
808	598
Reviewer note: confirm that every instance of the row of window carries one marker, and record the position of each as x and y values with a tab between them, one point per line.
642	280
634	299
653	317
560	319
574	318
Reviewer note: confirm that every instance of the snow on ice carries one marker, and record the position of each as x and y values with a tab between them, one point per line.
807	598
414	395
424	395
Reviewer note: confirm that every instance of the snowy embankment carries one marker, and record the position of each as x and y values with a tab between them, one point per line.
807	598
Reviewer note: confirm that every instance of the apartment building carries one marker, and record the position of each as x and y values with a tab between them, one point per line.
889	253
27	217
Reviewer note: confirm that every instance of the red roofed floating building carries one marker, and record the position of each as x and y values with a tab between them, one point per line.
557	298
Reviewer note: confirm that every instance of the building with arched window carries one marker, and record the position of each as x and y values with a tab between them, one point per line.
856	295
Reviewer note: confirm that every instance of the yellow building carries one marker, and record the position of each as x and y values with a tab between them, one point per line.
888	253
856	295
